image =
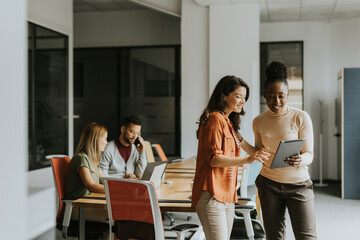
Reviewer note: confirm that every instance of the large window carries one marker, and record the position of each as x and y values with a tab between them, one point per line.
111	83
48	105
291	54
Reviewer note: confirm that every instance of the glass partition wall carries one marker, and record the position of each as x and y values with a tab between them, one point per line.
291	54
48	98
111	83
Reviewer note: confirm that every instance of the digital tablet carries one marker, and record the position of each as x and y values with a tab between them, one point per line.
286	149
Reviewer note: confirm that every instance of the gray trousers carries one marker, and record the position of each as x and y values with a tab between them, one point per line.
298	198
216	217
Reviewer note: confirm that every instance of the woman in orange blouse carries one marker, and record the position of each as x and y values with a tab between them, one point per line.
218	158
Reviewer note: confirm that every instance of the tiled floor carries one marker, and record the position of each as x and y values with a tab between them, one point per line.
336	218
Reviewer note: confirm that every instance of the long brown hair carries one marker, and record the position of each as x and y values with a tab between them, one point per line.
89	142
225	86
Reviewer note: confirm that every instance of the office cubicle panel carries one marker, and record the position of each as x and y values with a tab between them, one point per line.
351	136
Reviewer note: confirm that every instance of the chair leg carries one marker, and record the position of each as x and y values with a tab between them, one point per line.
248	225
171	218
64	232
199	234
180	235
247	221
66	218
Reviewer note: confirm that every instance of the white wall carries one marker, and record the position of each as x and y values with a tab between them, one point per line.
327	48
172	7
316	76
316	87
213	41
13	119
344	52
106	29
234	50
56	15
194	72
53	14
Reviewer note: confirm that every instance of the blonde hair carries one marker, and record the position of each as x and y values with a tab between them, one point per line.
89	143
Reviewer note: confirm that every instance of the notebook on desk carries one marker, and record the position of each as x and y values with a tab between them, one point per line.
154	171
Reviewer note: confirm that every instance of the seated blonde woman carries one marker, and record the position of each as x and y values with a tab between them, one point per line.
84	171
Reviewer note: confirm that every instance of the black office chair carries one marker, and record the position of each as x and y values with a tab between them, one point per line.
245	226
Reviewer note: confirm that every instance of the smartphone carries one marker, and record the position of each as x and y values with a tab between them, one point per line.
137	142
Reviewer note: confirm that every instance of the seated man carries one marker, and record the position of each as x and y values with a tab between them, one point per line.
125	156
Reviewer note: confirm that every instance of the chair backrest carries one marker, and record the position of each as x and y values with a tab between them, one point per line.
244	188
244	181
160	152
149	152
60	168
133	205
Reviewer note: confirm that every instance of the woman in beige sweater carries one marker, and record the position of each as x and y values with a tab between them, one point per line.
286	187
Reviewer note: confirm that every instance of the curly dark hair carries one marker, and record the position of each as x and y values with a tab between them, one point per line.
225	86
276	72
130	119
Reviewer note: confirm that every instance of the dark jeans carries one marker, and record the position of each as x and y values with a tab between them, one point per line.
298	198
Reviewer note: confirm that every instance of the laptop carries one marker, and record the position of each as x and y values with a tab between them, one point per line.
154	171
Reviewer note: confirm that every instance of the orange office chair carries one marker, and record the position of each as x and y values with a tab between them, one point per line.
160	152
60	168
149	152
133	205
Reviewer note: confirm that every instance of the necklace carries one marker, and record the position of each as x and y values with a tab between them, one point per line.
236	139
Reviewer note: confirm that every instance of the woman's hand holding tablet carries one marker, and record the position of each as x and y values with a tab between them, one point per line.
288	153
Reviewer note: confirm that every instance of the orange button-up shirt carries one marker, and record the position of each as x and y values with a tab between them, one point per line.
216	137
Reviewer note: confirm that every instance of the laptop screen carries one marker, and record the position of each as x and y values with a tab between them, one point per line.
153	172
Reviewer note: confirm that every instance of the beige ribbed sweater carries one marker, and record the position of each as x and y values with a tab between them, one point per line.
291	123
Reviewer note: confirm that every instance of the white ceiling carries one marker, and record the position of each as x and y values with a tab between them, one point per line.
104	5
308	10
271	10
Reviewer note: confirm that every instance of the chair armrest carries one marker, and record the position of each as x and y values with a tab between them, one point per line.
170	161
244	199
241	206
67	216
184	227
243	210
173	201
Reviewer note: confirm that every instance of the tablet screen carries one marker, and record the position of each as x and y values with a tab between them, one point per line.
286	149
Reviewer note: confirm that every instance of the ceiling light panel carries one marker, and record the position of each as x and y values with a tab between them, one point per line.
97	1
280	5
317	10
318	3
316	16
107	6
347	2
84	8
248	1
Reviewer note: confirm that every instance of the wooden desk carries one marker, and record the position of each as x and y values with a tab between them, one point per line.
180	173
